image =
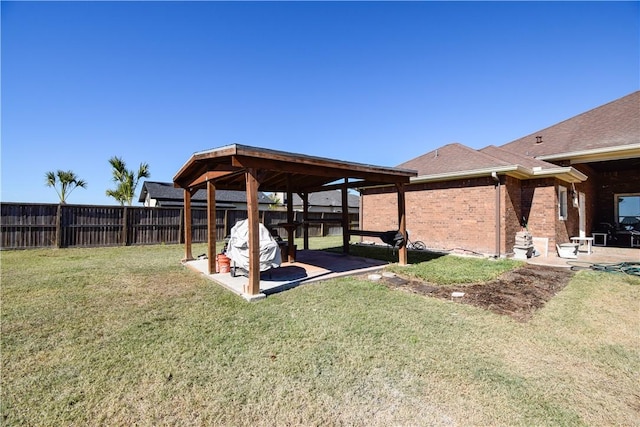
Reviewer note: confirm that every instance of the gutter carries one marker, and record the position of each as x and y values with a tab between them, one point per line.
496	178
597	154
567	174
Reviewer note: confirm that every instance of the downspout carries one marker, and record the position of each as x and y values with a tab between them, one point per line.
495	177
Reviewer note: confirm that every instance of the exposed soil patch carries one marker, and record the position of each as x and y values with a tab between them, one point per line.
518	293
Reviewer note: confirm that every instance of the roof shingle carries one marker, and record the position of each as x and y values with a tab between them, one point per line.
614	124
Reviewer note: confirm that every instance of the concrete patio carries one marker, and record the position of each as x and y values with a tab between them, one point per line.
310	266
598	255
314	266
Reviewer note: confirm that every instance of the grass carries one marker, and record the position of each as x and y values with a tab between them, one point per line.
124	336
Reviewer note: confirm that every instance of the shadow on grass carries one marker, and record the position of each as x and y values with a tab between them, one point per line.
387	253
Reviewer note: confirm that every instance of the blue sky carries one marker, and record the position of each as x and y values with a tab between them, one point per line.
371	82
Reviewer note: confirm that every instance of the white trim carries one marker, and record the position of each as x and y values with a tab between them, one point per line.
568	174
563	196
597	154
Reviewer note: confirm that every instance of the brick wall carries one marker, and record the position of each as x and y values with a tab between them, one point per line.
445	215
540	208
462	214
512	212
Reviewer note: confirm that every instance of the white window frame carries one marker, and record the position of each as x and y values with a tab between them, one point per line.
616	205
563	206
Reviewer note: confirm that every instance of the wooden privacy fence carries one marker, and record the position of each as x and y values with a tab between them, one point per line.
26	225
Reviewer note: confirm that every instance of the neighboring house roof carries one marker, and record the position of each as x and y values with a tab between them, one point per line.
457	161
332	198
172	196
608	132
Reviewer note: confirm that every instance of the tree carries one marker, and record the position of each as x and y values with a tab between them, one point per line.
126	180
64	182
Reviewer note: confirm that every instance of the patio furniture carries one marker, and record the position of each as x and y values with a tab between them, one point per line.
567	250
602	236
580	240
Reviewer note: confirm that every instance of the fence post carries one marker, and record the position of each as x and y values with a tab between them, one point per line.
125	226
226	223
59	226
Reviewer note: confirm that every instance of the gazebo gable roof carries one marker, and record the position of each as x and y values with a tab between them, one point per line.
278	170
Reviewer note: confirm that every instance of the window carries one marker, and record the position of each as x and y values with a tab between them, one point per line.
628	211
562	203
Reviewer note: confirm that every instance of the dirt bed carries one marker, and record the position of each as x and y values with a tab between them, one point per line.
518	293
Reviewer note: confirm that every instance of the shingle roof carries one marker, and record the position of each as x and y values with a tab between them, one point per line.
455	161
614	124
452	158
328	198
165	191
516	158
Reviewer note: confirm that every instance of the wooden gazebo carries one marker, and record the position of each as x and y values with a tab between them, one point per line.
240	167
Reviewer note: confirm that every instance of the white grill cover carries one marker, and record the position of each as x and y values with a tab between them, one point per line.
238	247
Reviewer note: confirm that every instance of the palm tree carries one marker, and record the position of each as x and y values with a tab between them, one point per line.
66	180
126	180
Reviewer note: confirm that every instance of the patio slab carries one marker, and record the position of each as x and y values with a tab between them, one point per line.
599	255
310	267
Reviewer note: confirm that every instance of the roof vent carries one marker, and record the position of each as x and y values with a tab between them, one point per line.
538	139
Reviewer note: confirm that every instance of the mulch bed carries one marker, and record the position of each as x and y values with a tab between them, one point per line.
518	293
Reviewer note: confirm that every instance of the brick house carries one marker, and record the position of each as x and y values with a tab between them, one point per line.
571	179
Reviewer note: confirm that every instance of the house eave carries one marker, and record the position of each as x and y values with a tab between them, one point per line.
568	174
629	151
515	171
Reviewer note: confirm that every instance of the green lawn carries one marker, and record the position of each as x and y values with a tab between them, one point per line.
127	336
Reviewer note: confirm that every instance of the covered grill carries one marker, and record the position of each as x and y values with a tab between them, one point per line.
238	248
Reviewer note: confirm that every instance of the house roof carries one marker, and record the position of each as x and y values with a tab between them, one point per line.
331	198
608	132
452	158
170	195
457	161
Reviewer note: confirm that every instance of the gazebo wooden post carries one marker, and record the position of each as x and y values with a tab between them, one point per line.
291	230
253	287
345	216
188	256
211	226
305	218
402	224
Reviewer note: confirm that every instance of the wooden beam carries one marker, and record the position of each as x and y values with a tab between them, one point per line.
345	216
253	287
210	176
315	169
211	226
188	256
402	224
305	219
291	231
